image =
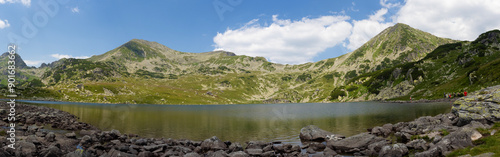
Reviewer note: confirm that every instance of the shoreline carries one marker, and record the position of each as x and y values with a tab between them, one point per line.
421	100
383	101
43	131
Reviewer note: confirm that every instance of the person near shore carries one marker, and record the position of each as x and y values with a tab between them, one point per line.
465	93
445	96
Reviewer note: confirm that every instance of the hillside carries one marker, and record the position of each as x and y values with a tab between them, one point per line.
450	68
145	72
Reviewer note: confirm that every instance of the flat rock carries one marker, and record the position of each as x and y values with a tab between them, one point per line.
353	143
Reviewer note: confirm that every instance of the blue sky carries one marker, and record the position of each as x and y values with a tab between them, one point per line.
288	32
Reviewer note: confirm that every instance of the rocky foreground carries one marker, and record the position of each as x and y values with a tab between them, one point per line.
43	131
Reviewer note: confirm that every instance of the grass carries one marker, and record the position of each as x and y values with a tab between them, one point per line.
483	145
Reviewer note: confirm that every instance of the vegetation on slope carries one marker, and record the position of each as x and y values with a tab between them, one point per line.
396	64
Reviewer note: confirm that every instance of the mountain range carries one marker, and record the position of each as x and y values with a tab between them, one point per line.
398	63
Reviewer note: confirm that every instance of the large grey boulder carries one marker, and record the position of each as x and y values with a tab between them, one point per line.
354	143
239	154
455	140
25	149
418	144
395	150
213	144
314	133
482	106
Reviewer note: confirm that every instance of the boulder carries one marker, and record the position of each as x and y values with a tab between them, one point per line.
475	135
141	142
70	135
154	147
434	151
254	152
257	144
234	147
73	154
455	140
86	141
114	152
25	149
219	153
374	148
213	144
395	150
482	106
50	137
354	143
145	154
385	130
316	146
418	144
329	152
268	148
52	151
402	136
115	133
268	154
295	148
193	154
313	133
238	154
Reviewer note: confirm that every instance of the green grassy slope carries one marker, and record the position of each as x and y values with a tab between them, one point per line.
398	63
450	68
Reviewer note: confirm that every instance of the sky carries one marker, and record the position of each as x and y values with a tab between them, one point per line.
282	31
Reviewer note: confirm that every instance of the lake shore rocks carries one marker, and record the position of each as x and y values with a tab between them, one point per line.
43	131
314	133
428	136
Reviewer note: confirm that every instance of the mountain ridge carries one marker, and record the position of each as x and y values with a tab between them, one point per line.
141	71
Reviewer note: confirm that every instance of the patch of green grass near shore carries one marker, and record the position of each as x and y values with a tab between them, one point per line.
484	145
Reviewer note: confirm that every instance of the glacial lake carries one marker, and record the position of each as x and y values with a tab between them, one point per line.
241	123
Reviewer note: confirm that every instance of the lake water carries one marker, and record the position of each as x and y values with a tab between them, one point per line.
241	123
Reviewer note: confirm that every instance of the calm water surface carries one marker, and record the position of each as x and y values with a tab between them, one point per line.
241	123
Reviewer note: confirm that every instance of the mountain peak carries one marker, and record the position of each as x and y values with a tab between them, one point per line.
395	45
492	36
19	62
134	50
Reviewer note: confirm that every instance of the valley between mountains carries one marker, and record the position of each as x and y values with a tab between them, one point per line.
399	63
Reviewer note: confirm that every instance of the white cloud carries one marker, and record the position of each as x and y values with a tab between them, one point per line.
60	56
286	41
26	3
456	19
33	63
390	3
75	10
4	24
366	29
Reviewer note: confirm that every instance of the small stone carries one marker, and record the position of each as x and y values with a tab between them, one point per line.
70	135
193	154
238	154
50	137
254	152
